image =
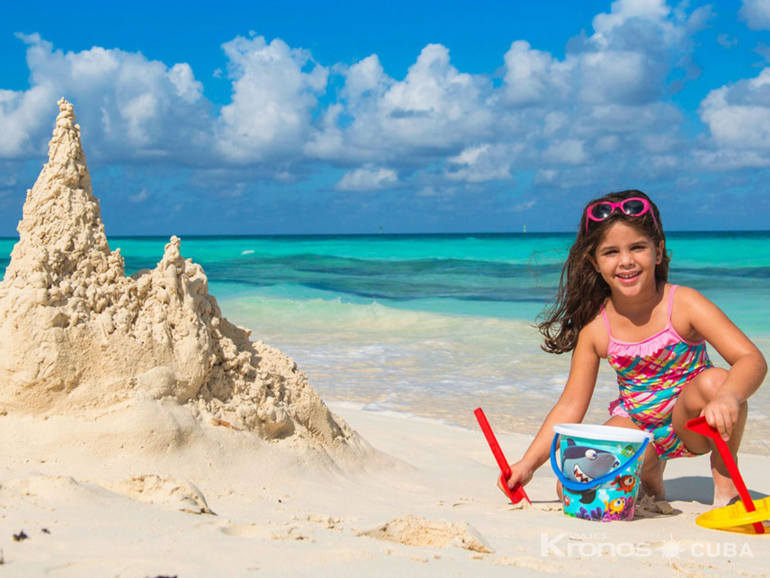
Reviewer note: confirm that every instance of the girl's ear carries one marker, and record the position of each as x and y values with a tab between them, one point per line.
659	253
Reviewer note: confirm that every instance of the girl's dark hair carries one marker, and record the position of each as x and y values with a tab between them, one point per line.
581	288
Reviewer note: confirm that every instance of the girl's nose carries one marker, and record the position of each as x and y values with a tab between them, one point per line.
626	258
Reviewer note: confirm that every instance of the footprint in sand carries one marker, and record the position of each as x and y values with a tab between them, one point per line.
152	489
292	533
245	531
417	531
287	533
327	522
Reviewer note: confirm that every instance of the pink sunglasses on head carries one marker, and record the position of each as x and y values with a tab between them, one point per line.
633	207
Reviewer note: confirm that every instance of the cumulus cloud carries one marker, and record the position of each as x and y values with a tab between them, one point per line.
429	114
272	102
533	76
482	163
756	14
738	118
367	179
130	107
625	61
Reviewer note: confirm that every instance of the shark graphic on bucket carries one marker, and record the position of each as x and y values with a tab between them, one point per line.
585	464
599	470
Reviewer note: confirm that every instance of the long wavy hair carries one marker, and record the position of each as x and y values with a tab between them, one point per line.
581	288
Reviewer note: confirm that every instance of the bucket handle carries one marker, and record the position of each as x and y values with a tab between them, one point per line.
579	486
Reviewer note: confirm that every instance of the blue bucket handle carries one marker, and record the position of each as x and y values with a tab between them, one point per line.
580	486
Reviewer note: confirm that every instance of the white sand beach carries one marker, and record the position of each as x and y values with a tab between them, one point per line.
144	435
90	512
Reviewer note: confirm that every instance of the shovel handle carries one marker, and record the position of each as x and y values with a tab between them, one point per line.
518	493
492	441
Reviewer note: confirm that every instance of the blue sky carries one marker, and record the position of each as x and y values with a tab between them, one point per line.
341	117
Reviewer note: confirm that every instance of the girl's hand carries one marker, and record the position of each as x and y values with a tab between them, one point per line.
722	413
521	473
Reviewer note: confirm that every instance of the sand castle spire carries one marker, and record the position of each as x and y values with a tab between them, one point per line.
62	226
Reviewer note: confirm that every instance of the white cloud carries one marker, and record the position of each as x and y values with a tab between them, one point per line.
533	76
568	152
140	197
183	79
273	100
620	77
625	61
738	115
482	163
623	10
763	50
367	179
523	206
431	113
729	160
129	107
756	14
726	41
545	176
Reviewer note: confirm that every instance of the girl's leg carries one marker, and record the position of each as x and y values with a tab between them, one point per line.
694	397
652	469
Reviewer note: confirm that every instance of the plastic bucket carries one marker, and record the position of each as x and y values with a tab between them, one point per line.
599	469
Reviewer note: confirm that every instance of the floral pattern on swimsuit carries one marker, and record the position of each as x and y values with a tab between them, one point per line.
651	375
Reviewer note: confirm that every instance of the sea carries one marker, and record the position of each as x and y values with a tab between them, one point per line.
437	325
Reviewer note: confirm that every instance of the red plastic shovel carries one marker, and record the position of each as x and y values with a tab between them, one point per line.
699	425
518	494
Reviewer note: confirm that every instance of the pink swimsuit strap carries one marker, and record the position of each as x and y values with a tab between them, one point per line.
651	344
668	325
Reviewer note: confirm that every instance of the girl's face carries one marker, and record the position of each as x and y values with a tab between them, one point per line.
626	260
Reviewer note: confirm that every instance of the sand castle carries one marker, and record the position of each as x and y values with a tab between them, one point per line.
76	333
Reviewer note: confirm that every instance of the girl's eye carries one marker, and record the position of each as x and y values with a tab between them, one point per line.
610	252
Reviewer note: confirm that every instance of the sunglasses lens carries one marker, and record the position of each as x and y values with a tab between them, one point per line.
633	207
601	211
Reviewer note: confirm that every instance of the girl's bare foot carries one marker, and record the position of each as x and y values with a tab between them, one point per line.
725	492
720	501
652	482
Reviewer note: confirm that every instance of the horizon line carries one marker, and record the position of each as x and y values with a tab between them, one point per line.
424	234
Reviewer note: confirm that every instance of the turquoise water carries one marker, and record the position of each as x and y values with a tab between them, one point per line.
439	324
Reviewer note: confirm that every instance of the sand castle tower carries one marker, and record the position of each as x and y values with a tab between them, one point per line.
76	332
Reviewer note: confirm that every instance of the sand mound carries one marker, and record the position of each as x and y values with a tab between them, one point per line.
417	531
77	334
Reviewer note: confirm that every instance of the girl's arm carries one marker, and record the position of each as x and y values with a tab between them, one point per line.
570	408
747	364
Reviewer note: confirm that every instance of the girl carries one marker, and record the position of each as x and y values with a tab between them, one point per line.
614	302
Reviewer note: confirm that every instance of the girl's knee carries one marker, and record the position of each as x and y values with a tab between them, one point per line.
709	382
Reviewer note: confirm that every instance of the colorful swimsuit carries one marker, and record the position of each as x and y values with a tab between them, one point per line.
651	375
